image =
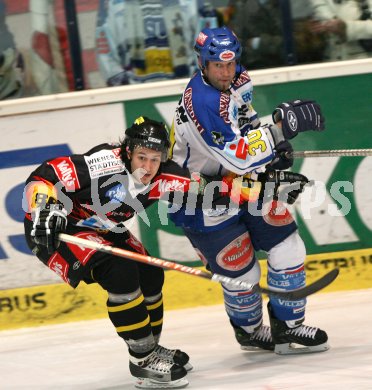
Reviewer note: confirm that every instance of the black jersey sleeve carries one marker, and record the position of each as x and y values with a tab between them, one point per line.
178	185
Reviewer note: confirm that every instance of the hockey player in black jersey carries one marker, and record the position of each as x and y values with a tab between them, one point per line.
91	195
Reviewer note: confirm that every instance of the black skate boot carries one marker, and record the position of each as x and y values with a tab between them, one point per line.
174	355
154	372
301	339
261	338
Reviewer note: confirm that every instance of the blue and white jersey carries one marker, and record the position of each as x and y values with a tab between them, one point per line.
218	132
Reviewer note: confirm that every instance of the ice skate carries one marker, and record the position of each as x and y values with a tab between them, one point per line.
154	372
301	339
174	355
147	383
260	339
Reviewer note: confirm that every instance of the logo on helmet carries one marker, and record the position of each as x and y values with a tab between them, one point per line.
200	40
139	120
154	140
227	55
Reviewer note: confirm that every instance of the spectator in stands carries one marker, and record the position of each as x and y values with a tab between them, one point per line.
259	26
50	59
11	62
348	24
139	42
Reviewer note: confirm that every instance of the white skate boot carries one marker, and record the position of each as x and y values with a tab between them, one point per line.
174	355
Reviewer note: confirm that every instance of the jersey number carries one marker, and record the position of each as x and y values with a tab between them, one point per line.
255	142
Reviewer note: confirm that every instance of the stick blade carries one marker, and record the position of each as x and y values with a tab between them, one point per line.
303	292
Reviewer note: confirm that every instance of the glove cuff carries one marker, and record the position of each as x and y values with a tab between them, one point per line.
278	115
277	134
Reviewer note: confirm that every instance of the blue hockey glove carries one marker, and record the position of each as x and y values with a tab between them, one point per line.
298	116
48	223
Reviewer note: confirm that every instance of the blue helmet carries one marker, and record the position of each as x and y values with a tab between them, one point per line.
217	44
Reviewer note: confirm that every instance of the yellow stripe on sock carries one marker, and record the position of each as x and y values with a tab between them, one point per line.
138	325
126	306
156	323
155	305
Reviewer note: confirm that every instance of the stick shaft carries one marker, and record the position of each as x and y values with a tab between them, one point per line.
289	295
150	260
332	153
133	255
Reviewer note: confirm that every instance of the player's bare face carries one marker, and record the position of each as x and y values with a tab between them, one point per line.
220	74
144	163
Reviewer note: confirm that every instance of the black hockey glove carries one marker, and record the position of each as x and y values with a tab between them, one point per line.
283	159
298	116
48	223
272	180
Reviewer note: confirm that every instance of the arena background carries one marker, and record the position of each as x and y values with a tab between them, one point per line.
34	129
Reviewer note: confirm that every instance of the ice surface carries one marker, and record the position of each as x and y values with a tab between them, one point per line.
89	355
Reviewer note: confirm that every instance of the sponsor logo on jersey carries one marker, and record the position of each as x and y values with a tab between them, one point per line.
227	55
82	253
123	214
243	79
237	255
224	107
217	137
136	245
190	109
239	147
247	96
66	172
200	40
116	194
60	266
168	183
104	162
117	152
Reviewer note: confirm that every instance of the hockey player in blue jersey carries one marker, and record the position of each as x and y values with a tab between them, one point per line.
217	132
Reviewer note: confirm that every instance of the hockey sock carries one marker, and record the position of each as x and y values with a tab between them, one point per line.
155	309
287	279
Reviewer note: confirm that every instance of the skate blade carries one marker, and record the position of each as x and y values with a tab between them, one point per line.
251	348
293	349
188	367
146	383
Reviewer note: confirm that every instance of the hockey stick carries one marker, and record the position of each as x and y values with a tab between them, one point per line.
330	153
288	295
